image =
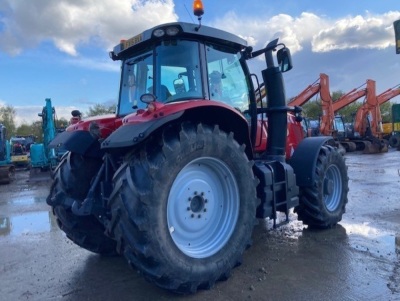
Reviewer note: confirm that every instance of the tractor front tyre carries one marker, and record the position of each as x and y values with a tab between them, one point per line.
323	203
72	178
184	207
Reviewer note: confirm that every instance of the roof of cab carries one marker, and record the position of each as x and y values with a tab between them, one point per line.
186	30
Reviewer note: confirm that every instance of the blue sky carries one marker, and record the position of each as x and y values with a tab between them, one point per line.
59	49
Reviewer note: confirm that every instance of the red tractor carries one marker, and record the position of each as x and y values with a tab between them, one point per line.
176	180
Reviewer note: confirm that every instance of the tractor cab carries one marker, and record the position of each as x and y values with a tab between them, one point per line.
174	62
181	63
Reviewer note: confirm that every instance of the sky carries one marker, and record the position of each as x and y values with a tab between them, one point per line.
59	49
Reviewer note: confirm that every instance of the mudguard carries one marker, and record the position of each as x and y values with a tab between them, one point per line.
304	159
80	142
134	133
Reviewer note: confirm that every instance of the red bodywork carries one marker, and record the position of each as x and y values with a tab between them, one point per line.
109	123
294	135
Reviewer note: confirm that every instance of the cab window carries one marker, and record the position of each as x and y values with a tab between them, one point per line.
227	81
137	77
178	71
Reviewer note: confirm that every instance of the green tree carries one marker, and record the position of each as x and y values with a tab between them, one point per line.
24	130
312	109
386	112
100	109
36	130
336	95
349	111
7	117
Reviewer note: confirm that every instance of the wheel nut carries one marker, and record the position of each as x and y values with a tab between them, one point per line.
188	208
199	216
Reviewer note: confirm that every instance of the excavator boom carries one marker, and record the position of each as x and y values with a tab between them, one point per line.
347	99
360	121
387	95
310	91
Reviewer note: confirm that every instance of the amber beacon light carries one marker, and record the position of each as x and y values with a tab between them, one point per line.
198	9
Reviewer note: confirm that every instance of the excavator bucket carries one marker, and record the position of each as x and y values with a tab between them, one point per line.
370	148
374	147
349	146
7	173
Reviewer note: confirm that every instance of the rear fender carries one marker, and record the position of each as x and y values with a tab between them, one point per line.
80	142
83	137
304	159
228	120
134	133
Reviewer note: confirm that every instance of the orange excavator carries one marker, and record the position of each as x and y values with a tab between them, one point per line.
368	125
320	86
353	95
388	94
334	124
330	125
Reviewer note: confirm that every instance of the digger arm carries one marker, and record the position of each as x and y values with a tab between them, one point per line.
326	126
305	95
387	95
347	99
370	106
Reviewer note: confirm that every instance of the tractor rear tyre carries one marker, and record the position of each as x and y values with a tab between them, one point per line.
184	207
72	178
323	203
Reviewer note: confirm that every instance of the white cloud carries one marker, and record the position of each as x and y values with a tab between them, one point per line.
320	33
371	31
29	114
71	23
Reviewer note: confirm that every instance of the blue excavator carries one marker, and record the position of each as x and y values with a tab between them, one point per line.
7	169
43	158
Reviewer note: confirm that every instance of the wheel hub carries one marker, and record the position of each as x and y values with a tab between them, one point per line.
197	204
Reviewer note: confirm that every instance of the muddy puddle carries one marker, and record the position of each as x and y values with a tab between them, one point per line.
27	224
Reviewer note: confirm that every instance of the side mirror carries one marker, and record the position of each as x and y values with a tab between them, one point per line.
284	59
179	86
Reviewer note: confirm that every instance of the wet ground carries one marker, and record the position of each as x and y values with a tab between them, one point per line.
357	260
